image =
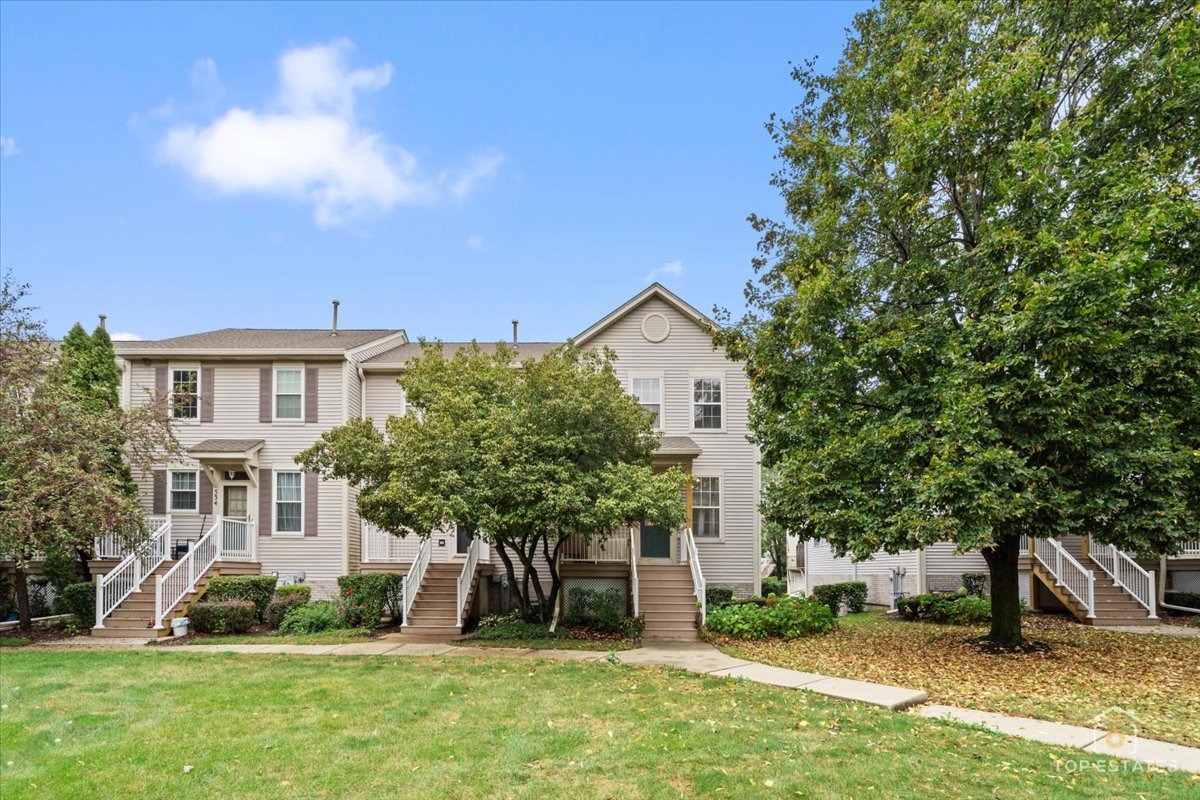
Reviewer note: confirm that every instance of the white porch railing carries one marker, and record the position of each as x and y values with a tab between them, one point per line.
124	579
237	539
1068	573
117	545
633	579
181	579
1126	573
416	573
614	548
693	558
1190	550
379	546
467	576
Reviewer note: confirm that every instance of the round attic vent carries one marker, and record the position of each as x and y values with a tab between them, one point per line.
655	327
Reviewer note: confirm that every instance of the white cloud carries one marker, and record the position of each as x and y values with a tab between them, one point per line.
8	146
309	145
475	242
124	336
671	269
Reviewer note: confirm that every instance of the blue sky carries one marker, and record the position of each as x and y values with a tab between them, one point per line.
442	168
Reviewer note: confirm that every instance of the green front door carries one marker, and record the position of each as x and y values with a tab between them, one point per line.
656	543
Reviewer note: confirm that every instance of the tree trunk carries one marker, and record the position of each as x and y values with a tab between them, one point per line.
513	587
85	569
21	586
1006	590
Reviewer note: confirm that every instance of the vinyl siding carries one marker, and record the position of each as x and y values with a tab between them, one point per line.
822	566
384	397
732	561
235	416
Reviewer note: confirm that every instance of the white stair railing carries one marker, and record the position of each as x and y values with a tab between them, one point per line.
1126	573
693	558
416	573
1068	573
633	579
115	544
466	577
124	579
180	580
237	538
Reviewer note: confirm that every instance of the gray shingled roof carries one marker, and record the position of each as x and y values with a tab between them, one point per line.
261	339
677	446
399	356
225	445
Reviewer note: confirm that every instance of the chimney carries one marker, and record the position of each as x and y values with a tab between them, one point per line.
103	318
514	331
336	303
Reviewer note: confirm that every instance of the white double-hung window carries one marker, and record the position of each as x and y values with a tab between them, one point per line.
289	393
706	507
708	405
289	502
185	393
648	391
185	491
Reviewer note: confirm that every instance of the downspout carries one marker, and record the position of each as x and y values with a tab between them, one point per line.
1162	589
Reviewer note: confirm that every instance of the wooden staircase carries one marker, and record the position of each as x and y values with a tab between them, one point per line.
666	598
1114	605
134	617
434	612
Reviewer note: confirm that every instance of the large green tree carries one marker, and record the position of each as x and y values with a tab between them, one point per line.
981	316
528	454
57	491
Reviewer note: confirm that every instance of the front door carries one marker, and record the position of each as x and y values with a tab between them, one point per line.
462	540
655	542
233	502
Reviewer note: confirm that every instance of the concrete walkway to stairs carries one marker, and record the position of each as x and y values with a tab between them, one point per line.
705	659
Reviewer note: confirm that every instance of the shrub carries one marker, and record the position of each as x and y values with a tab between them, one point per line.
632	627
293	590
225	616
41	595
369	595
257	589
78	599
513	627
775	586
976	583
718	596
278	608
596	609
833	595
311	618
1178	598
788	618
946	607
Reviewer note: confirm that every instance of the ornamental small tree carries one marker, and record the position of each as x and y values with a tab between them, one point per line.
980	319
529	457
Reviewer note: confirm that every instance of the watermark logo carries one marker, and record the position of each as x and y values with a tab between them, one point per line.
1117	728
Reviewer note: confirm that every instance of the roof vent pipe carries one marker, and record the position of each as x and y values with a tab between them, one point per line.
336	303
514	331
103	319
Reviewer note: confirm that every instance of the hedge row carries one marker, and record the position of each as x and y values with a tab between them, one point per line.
946	607
257	589
225	616
833	595
372	594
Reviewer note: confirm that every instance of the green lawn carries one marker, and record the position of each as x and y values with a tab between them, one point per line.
14	641
126	724
1087	670
553	643
343	636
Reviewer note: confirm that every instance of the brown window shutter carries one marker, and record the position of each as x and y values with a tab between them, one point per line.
206	393
264	395
311	374
266	506
159	505
160	384
205	504
311	482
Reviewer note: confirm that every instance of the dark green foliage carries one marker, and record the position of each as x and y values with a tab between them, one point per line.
225	616
40	592
947	607
775	586
1177	598
367	596
632	627
294	590
278	608
314	617
975	583
787	618
775	546
603	610
717	596
78	599
258	589
852	593
511	626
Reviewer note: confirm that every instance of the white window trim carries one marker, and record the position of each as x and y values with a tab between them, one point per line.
719	474
170	493
692	378
275	504
171	392
662	392
275	370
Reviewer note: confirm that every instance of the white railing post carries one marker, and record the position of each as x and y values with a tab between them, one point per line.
99	602
633	576
158	595
1153	596
1091	594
